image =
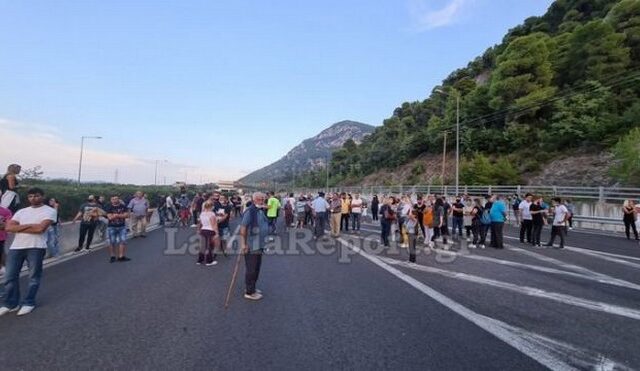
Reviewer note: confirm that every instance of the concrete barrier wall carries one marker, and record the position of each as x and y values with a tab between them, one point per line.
69	232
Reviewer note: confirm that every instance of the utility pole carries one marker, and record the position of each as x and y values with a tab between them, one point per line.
326	189
115	177
444	156
82	138
457	143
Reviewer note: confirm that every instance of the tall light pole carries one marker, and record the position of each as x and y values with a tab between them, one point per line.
155	178
326	189
81	151
457	94
444	157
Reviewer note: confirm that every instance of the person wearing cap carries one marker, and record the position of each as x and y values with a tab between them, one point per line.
89	212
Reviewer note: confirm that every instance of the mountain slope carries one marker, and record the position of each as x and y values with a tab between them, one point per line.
311	153
562	83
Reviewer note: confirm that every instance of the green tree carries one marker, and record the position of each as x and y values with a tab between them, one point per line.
523	72
625	18
596	52
583	119
627	155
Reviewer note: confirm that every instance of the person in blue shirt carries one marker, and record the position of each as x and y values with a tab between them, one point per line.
498	216
254	231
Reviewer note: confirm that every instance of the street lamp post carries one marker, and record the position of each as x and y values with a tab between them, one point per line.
326	189
457	94
81	152
155	178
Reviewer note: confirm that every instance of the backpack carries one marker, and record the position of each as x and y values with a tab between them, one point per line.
485	219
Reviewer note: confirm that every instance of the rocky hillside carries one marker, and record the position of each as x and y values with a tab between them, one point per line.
576	170
311	153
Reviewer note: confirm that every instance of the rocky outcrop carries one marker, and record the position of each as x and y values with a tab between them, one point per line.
311	154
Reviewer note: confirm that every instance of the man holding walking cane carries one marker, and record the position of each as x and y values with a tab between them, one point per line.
254	231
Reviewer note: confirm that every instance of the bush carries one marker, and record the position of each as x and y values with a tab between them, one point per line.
627	155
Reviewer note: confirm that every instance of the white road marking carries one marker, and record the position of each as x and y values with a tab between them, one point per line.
584	272
598	254
604	256
525	290
581	249
599	278
553	354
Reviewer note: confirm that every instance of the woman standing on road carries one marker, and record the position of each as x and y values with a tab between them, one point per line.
374	207
629	218
53	232
208	231
8	188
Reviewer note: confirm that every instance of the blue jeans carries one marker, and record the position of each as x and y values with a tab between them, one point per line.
117	235
52	241
15	259
355	218
457	224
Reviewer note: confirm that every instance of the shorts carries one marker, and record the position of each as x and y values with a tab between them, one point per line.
117	235
302	216
225	233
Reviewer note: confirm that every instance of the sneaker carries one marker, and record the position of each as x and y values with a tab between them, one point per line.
87	248
78	249
483	247
193	225
259	291
5	310
25	309
468	240
212	263
198	263
123	259
472	246
112	259
254	296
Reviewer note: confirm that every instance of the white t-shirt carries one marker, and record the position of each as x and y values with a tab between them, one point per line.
560	213
169	202
32	215
356	206
205	219
525	210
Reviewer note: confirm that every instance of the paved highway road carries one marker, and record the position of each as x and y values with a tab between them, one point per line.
345	306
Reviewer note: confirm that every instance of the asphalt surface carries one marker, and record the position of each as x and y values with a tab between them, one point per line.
561	309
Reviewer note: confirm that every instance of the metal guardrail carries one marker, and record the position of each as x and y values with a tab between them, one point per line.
601	194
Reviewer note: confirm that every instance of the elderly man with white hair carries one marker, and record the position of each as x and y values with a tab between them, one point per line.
254	231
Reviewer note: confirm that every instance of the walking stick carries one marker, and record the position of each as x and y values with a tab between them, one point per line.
233	280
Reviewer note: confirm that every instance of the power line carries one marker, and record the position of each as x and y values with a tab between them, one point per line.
554	98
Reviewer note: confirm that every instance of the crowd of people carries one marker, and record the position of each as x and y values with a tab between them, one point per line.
433	220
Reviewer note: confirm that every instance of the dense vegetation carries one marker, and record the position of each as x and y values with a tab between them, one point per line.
565	81
70	196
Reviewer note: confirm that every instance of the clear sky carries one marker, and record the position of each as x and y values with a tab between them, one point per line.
219	88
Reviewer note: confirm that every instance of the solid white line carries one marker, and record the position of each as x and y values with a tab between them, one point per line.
603	257
525	290
548	352
598	254
587	272
581	249
560	263
599	278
